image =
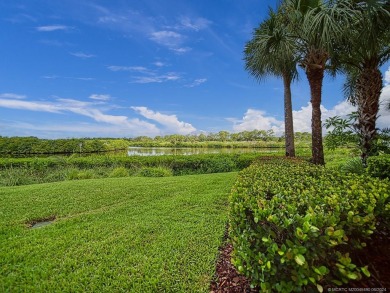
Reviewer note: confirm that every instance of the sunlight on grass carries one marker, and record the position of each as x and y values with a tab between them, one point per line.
129	234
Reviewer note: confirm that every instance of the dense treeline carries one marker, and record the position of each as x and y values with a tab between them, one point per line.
34	145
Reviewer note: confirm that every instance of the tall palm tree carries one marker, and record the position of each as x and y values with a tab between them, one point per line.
317	26
271	53
366	47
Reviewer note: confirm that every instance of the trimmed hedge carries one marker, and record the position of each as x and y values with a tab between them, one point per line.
379	166
294	226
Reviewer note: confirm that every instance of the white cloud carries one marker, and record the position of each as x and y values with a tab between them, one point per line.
21	18
170	76
387	77
68	77
82	55
51	28
100	97
384	112
171	123
77	129
130	68
82	78
197	82
128	21
256	119
302	117
181	50
146	75
31	106
88	109
196	24
169	39
12	96
159	64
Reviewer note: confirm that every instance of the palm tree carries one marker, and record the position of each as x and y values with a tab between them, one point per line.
366	47
271	53
317	26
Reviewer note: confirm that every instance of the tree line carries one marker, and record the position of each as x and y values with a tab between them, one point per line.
34	145
350	37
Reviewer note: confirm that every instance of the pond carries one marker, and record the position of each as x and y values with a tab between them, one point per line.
161	151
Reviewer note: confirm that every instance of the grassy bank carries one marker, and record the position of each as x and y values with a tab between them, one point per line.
24	171
32	170
120	234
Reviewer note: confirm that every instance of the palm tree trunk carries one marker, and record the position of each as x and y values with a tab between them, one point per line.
369	87
315	75
288	117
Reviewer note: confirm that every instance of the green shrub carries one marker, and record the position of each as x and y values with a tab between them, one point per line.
86	174
119	172
75	174
294	225
14	177
49	169
379	166
155	172
353	165
218	165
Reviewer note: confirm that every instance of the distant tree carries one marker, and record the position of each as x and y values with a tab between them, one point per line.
223	135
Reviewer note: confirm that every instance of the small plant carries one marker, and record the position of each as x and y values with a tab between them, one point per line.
346	132
17	176
75	174
155	172
119	172
379	166
353	165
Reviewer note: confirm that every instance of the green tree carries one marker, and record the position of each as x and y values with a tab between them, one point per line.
317	26
271	53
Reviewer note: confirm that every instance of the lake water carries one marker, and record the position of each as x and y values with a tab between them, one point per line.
160	151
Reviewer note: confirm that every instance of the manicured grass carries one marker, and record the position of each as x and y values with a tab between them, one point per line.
113	235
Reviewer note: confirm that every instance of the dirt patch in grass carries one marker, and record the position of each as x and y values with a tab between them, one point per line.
37	223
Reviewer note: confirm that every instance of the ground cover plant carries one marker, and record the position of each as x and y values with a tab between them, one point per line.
113	235
295	226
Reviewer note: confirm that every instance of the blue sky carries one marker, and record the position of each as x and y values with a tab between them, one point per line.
129	68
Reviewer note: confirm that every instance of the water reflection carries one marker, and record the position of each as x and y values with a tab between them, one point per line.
161	151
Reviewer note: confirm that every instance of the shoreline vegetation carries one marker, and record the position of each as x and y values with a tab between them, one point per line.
246	139
29	160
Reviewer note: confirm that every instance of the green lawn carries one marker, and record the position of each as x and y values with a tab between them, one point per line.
115	235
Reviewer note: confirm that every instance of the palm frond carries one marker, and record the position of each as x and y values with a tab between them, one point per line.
271	51
324	25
